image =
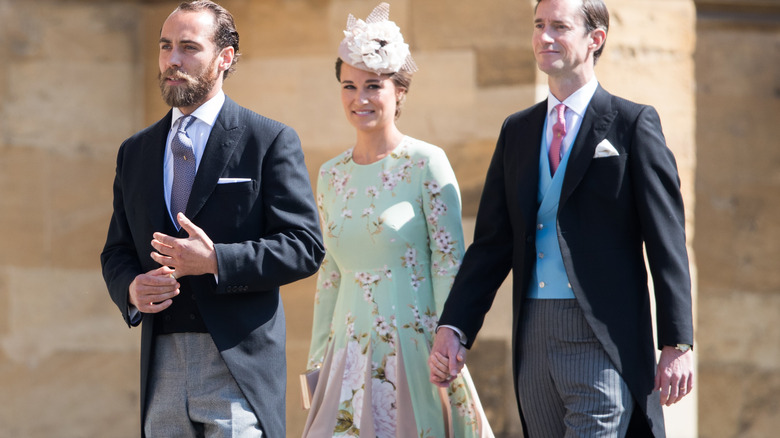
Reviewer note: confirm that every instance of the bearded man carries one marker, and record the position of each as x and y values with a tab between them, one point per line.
213	212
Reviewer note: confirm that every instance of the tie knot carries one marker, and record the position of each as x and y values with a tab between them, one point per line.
185	122
181	143
561	108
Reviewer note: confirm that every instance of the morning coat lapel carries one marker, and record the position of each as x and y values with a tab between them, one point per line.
154	151
529	141
595	125
220	146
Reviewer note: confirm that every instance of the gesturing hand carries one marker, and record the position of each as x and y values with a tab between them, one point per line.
153	291
193	255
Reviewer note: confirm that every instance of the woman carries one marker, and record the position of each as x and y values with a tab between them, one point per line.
390	209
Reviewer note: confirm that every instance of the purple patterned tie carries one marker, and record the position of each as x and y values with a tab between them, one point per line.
183	168
559	131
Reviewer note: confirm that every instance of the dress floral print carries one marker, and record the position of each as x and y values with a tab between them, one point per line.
394	243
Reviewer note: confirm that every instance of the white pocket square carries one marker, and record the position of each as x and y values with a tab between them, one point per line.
233	180
605	149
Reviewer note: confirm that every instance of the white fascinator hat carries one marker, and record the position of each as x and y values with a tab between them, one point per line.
376	44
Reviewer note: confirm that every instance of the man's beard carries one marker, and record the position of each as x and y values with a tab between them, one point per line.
193	92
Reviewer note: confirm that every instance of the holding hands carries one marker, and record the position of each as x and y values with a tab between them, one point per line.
448	356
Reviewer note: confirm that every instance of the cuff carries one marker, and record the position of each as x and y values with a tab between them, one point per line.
461	335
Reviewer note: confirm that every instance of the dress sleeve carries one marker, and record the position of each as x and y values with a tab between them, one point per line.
328	280
442	207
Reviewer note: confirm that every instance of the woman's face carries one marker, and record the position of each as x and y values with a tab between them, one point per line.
369	99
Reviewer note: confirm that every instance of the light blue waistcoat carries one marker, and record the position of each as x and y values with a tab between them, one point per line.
549	280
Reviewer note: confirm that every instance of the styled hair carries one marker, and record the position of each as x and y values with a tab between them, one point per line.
401	79
225	33
596	16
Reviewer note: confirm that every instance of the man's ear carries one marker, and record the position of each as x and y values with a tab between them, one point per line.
226	58
597	39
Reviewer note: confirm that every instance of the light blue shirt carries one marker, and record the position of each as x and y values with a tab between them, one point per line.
198	131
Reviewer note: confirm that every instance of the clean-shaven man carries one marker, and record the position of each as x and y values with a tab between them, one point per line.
577	186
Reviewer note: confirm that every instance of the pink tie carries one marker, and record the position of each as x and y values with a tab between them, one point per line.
559	131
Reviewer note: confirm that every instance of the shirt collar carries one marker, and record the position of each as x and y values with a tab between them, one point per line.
577	101
206	113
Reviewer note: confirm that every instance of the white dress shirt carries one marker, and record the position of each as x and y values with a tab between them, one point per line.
576	104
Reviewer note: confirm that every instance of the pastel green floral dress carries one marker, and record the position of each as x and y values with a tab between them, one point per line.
394	243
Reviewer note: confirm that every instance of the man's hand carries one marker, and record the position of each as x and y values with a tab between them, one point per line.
194	255
447	357
153	292
674	376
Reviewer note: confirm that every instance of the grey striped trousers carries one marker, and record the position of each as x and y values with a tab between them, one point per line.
193	394
567	384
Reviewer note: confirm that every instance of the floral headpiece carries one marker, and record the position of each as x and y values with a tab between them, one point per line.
376	45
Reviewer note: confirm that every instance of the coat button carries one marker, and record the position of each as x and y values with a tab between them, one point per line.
541	284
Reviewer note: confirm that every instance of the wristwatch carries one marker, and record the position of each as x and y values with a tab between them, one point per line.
683	347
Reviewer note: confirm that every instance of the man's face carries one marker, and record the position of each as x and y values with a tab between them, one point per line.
190	65
562	46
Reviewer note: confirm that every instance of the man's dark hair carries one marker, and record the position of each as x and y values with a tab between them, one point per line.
225	33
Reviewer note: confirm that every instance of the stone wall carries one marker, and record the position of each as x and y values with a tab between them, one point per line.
737	227
69	85
80	76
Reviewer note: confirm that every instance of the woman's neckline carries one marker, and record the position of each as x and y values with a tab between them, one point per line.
388	155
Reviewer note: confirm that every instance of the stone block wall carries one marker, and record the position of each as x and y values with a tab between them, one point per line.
80	76
69	93
737	227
